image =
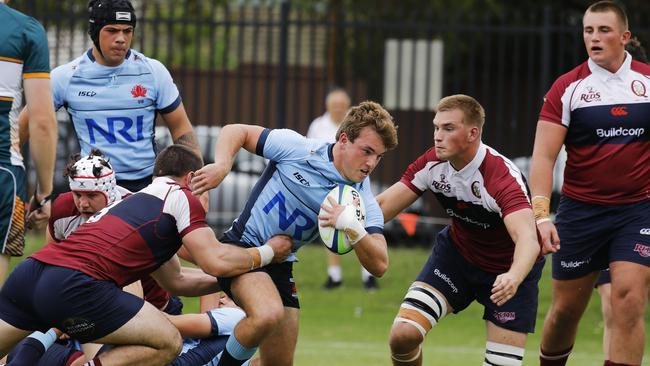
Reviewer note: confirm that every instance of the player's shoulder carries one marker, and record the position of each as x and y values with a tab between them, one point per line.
640	67
68	69
578	73
138	59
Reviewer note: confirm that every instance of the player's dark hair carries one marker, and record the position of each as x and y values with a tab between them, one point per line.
613	6
176	161
70	169
636	49
369	114
473	112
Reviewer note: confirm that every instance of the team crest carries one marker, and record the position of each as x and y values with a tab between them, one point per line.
139	91
638	88
504	316
476	189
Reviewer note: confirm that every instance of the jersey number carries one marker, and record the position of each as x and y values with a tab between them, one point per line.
125	127
285	221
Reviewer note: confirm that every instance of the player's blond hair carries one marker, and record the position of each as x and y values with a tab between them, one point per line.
473	112
369	114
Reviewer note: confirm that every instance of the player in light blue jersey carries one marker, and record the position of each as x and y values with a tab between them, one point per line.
113	93
24	67
286	200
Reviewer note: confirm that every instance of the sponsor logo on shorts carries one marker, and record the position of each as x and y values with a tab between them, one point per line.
616	132
645	231
574	264
447	280
591	95
78	326
504	316
294	289
642	249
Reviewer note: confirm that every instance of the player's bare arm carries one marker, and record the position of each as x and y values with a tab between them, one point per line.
181	129
184	283
549	138
223	260
395	199
521	227
230	140
42	129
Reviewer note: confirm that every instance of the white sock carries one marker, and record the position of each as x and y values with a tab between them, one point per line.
365	274
335	273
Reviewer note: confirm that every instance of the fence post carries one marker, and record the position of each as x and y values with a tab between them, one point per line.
281	110
546	50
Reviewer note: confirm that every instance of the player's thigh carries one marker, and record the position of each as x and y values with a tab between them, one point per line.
501	335
149	327
256	293
279	347
10	336
630	278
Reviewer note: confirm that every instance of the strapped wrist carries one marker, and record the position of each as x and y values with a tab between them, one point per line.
348	222
541	207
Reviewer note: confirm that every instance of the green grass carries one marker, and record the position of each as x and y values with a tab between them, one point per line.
350	326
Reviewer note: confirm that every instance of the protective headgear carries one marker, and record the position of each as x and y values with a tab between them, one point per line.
93	173
103	12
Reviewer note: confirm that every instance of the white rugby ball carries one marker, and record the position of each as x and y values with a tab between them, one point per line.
336	240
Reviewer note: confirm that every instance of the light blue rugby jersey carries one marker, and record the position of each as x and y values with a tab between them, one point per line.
287	197
114	108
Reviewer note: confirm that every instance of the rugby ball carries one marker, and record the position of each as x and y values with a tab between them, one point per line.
336	240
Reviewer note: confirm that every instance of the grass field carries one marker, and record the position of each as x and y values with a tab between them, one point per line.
350	326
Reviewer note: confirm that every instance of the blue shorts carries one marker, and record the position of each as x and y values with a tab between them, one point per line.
12	209
38	296
462	282
592	236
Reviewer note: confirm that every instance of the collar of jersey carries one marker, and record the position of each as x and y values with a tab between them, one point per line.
89	53
473	165
605	75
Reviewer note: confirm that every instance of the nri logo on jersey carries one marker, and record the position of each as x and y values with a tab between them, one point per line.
302	221
116	126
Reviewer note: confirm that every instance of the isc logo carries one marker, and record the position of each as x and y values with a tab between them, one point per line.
87	93
122	126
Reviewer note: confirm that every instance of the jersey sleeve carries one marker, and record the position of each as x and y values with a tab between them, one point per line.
186	210
60	78
415	176
37	54
374	215
63	206
283	144
167	97
508	189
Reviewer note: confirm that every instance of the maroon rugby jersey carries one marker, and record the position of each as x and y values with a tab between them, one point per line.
477	198
131	238
608	138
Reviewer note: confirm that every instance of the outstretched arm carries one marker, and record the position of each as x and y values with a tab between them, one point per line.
395	199
521	227
184	283
230	140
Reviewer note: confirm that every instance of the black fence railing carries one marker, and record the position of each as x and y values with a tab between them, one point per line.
239	61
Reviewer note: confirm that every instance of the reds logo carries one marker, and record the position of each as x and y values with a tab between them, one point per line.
590	96
139	91
643	250
504	316
638	88
443	185
618	111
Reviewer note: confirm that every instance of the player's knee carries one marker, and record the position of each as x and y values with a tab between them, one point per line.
498	354
564	313
404	337
422	308
172	347
267	318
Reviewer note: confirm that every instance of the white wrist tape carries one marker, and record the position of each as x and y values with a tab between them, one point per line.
348	222
266	254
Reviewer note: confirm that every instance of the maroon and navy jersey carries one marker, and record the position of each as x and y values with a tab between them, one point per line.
608	139
65	217
130	238
477	198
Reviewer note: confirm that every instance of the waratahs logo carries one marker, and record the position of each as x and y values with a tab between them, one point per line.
139	91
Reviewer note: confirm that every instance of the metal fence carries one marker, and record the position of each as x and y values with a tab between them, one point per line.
272	62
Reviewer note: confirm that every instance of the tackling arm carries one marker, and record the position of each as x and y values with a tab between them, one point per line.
230	140
182	283
395	199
